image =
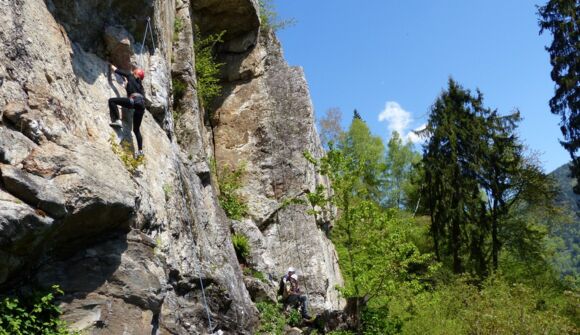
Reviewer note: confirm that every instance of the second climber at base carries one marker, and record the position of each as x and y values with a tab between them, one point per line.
135	100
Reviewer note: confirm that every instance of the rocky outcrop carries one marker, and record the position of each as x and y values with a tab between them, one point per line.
149	250
266	123
131	251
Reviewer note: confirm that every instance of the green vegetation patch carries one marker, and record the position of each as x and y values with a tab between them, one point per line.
230	182
35	314
125	153
241	246
207	68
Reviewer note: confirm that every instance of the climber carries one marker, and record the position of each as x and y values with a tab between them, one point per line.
294	297
284	280
135	100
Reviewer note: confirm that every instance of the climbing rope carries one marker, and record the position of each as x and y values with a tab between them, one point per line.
147	29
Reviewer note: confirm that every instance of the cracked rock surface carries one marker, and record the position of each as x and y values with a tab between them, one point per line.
149	251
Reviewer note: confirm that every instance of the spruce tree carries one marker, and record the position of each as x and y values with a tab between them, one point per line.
562	19
451	157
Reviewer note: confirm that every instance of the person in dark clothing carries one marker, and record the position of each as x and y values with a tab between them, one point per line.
293	296
135	100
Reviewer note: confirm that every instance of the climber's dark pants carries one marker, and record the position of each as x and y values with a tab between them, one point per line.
296	299
138	105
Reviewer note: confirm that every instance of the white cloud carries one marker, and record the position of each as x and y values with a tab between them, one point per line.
413	137
397	118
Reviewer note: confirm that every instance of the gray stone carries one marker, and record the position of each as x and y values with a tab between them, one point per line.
14	147
119	43
22	229
257	123
36	191
260	291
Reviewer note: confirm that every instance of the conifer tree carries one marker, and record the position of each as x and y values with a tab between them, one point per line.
562	19
451	158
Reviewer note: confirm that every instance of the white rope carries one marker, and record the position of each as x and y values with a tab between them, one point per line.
147	27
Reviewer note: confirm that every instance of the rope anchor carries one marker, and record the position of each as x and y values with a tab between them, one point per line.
150	30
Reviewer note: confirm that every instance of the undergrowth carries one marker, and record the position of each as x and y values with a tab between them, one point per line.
241	246
125	153
35	314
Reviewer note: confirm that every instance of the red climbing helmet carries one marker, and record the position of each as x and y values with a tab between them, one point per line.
139	73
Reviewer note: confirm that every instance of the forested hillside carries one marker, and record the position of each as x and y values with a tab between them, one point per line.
456	238
567	235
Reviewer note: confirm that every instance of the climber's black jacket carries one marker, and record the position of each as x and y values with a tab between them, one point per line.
134	85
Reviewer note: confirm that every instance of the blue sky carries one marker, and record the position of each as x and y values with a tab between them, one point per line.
393	57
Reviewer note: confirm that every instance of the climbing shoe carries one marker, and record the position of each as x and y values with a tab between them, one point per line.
116	124
139	154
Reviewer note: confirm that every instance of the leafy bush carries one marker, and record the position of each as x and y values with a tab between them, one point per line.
125	153
272	319
207	69
229	182
294	318
241	246
36	314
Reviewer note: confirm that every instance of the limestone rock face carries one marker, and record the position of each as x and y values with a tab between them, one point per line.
144	248
266	123
132	251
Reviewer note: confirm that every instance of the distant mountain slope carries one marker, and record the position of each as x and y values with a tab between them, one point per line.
566	183
568	258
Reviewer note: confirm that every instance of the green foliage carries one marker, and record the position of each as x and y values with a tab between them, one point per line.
177	27
498	307
125	153
179	90
207	69
270	19
272	319
36	314
241	246
256	274
366	155
562	19
229	182
374	245
294	319
402	161
475	175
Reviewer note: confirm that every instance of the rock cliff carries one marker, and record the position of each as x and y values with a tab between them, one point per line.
149	251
